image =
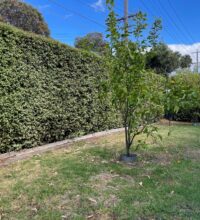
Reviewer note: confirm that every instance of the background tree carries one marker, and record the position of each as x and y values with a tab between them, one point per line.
92	42
23	16
164	61
135	92
185	61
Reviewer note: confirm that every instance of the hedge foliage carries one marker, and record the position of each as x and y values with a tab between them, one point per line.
185	88
48	91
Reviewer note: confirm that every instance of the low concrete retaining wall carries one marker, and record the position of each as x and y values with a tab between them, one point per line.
11	157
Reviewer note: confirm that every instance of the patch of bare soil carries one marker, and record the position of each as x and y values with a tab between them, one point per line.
102	216
163	159
192	154
101	181
93	204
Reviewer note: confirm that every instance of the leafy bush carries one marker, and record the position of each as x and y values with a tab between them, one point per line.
185	92
48	91
187	115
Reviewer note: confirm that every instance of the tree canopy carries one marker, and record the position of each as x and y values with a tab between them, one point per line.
93	42
24	16
136	92
164	61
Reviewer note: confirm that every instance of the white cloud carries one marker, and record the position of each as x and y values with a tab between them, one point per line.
98	5
67	16
186	49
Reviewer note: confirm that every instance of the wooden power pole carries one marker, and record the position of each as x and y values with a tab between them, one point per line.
126	18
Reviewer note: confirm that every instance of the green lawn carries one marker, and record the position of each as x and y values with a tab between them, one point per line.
86	181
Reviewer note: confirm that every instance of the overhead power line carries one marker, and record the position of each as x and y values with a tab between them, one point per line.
172	20
180	20
89	5
153	15
102	25
170	34
69	33
76	13
84	3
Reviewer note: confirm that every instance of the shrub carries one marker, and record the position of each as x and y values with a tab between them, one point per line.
185	90
187	115
48	91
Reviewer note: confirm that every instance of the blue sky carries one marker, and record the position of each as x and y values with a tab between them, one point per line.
68	19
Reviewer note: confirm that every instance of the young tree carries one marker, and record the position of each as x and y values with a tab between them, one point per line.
93	42
135	92
24	16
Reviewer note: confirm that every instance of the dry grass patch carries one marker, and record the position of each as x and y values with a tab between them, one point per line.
101	181
192	154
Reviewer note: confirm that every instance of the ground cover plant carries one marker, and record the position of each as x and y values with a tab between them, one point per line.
86	181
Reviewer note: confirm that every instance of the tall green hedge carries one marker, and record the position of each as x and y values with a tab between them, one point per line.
48	91
185	92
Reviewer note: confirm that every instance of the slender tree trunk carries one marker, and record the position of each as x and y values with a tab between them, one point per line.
126	125
170	120
126	140
128	151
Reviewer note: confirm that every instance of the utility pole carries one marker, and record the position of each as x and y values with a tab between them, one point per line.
126	19
197	59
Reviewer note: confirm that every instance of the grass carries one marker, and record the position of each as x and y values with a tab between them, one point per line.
86	181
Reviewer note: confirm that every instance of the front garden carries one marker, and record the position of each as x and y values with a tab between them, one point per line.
86	181
51	92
